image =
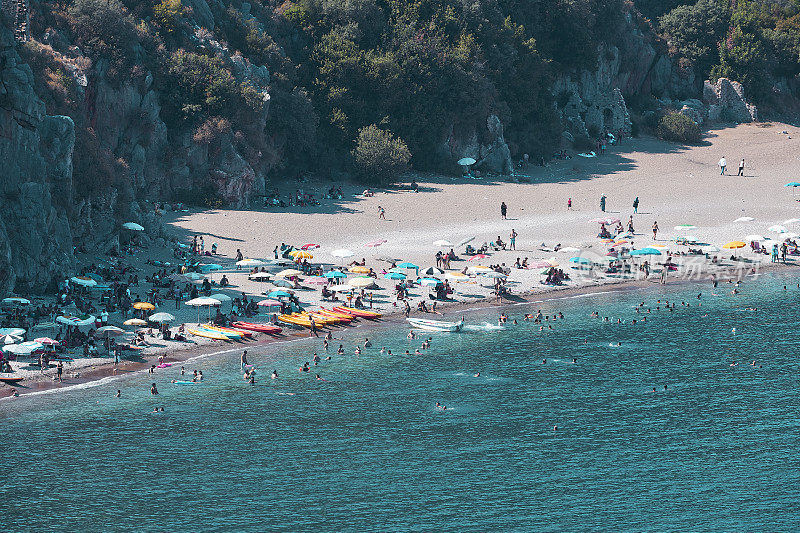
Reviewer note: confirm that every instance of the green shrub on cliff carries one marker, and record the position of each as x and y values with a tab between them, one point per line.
379	155
678	128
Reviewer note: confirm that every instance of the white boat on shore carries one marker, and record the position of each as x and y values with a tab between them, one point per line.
436	325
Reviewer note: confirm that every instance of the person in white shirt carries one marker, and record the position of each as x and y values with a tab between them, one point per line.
741	168
722	164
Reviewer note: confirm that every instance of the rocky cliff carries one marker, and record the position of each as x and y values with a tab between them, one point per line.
35	182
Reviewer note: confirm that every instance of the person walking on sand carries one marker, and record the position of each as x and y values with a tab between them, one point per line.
741	168
636	205
603	203
569	204
503	210
512	240
655	230
381	213
722	164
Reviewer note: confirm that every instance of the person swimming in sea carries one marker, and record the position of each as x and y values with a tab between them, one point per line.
274	374
477	375
153	389
340	351
118	394
367	344
383	350
417	352
411	335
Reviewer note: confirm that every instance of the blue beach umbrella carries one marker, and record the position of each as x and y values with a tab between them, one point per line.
580	260
278	294
645	251
429	282
210	267
394	275
335	274
407	265
792	184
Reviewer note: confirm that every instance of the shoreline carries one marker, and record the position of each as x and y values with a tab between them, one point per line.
96	375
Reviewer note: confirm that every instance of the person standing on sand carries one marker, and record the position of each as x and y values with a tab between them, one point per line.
655	230
381	213
569	204
603	203
512	240
60	371
741	168
722	164
636	205
503	210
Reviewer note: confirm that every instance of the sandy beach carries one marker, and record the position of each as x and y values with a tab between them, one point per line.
675	185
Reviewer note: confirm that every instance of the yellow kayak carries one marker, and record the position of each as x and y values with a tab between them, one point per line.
296	320
230	333
207	334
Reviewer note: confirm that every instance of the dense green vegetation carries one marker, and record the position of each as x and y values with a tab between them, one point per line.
678	128
379	156
756	42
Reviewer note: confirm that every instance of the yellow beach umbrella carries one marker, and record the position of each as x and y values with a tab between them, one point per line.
657	246
289	272
134	322
144	306
361	282
360	270
734	245
299	255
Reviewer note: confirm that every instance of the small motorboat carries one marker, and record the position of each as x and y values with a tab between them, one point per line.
436	325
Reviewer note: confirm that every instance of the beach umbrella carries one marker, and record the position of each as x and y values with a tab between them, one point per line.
344	287
398	270
580	260
408	265
47	341
342	253
360	270
792	184
83	281
280	262
429	282
791	221
268	303
250	263
540	264
162	317
570	249
210	267
23	348
135	322
442	243
374	244
259	276
288	273
684	227
10	339
477	257
466	240
109	331
477	269
133	226
14	300
316	280
394	275
203	301
299	255
278	294
178	277
362	282
494	275
788	236
645	251
744	219
709	249
734	245
777	228
335	274
144	306
387	259
433	271
283	283
194	276
456	276
17	332
605	220
221	297
466	161
309	246
754	238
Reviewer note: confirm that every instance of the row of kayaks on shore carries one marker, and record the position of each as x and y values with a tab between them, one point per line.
340	315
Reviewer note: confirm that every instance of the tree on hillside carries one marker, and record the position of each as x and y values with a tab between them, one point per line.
379	155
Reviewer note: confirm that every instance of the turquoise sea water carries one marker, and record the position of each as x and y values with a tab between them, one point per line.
368	451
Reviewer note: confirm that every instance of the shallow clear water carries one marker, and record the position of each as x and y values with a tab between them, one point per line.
368	451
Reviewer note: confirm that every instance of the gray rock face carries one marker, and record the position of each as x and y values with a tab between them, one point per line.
35	182
726	102
493	156
590	102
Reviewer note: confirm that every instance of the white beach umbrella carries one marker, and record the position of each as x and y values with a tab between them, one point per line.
777	228
133	226
744	219
442	243
432	271
23	348
342	253
791	221
362	282
83	281
250	263
466	161
221	297
14	300
466	240
161	317
203	301
10	339
493	274
570	249
258	276
110	331
710	249
344	287
754	238
18	332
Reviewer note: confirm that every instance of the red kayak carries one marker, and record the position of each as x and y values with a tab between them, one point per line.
261	328
10	379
